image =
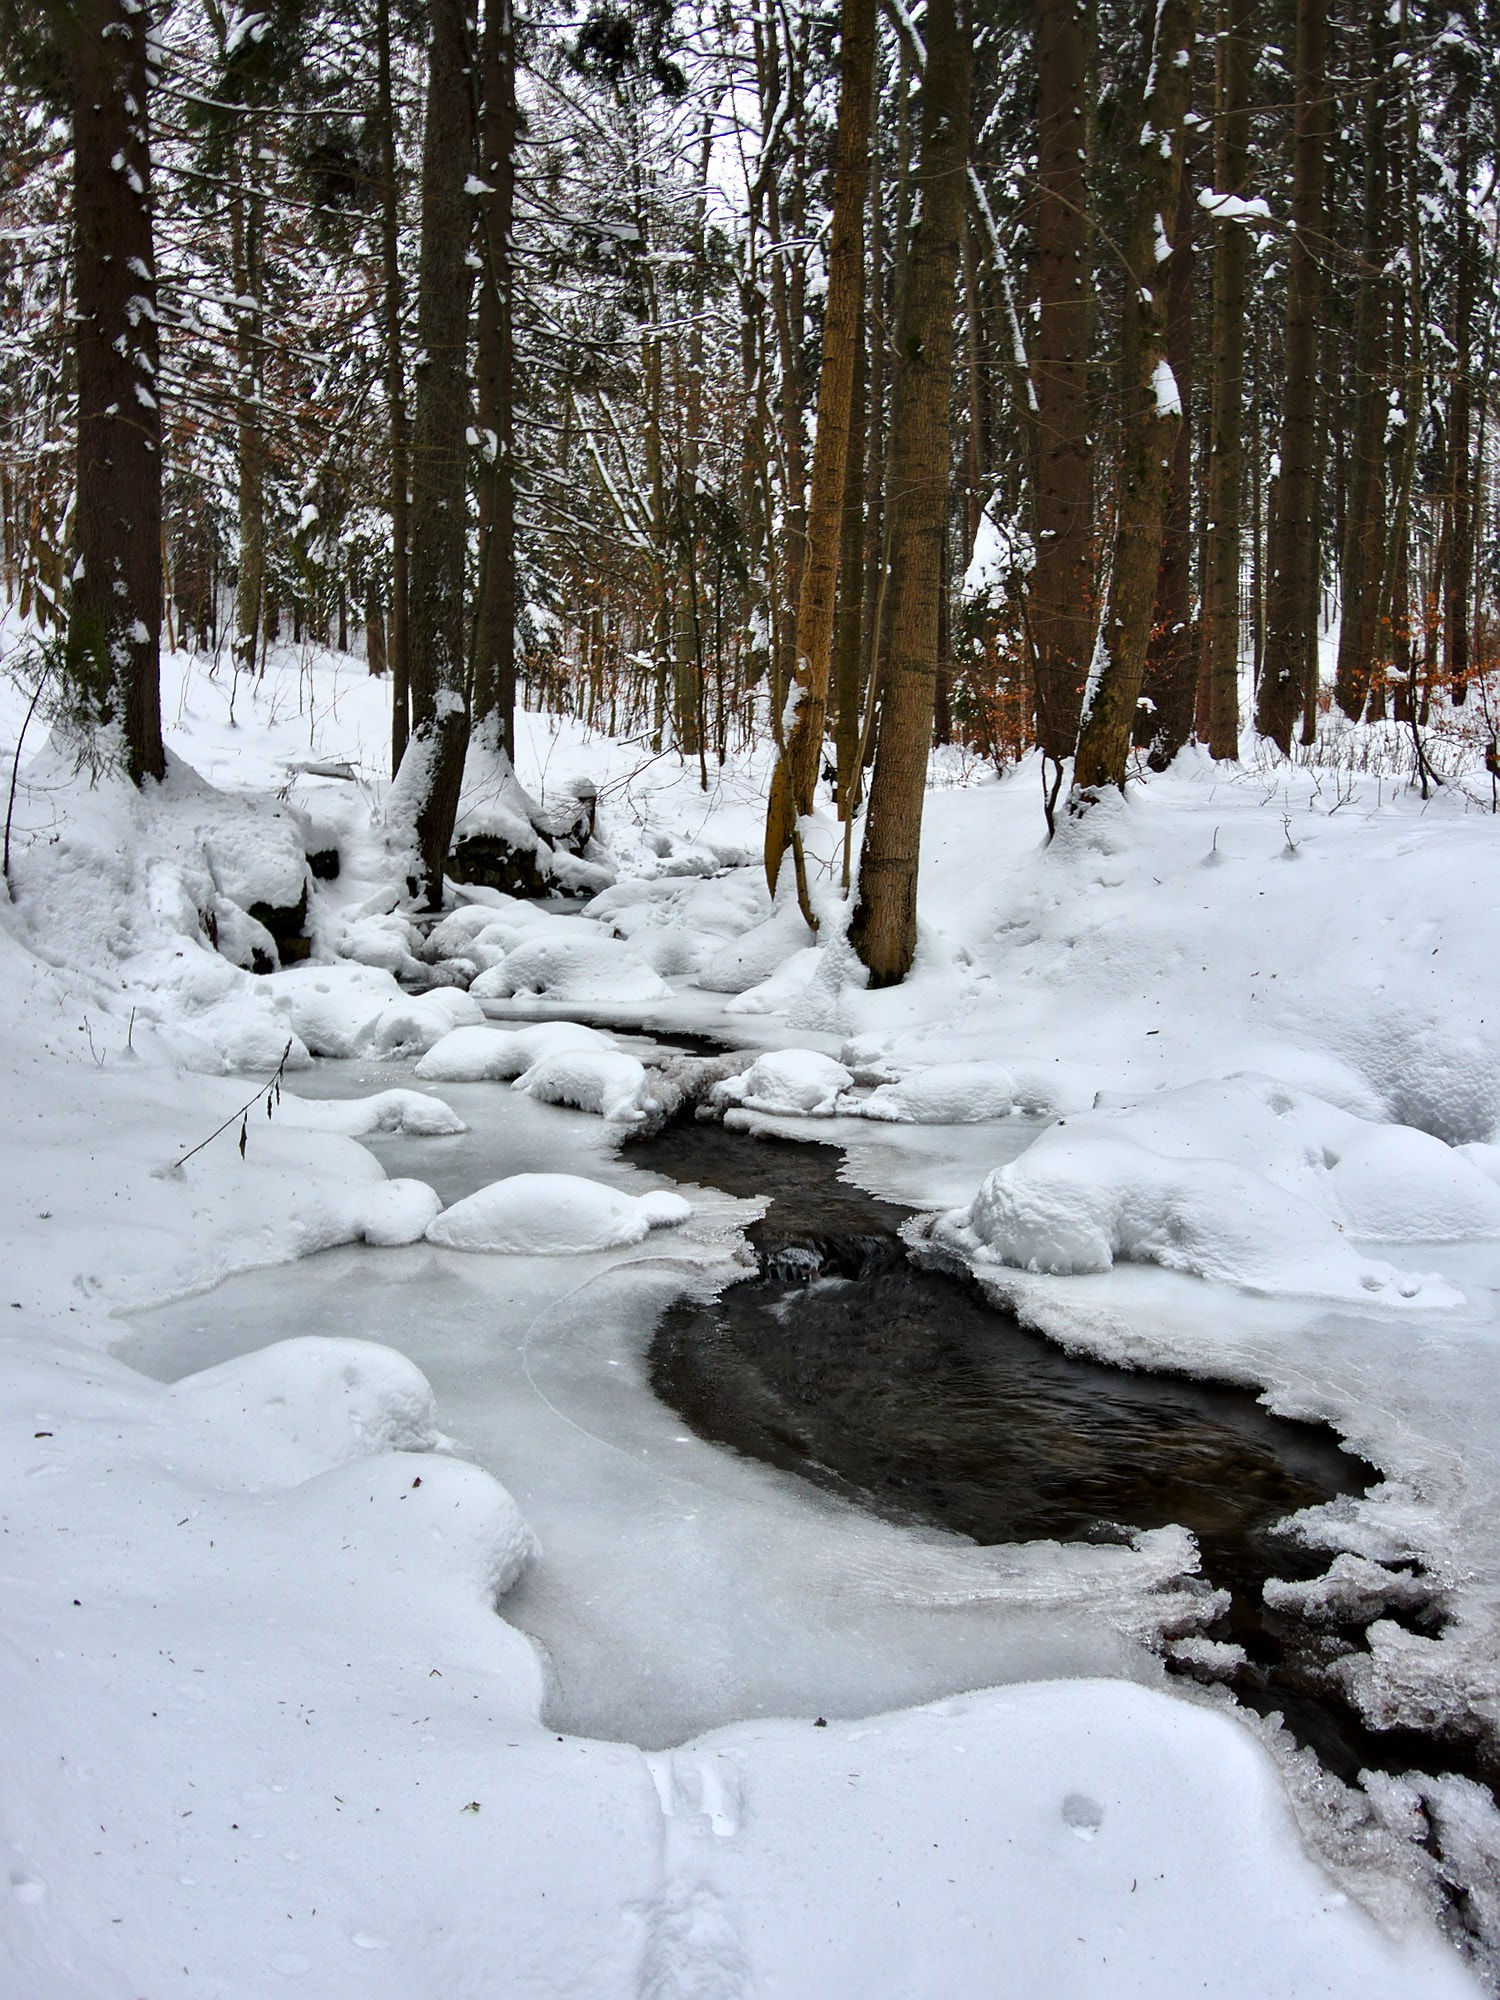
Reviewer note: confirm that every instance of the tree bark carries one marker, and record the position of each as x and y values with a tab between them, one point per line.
395	392
1362	555
495	610
432	768
1292	554
1164	719
1458	573
883	929
796	775
1221	582
1153	412
247	229
114	629
1062	586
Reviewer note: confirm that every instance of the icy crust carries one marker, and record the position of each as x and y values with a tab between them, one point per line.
1245	1183
554	1215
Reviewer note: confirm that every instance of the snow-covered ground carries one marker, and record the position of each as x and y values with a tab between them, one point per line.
263	1728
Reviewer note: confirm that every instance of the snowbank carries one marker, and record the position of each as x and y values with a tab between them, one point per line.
1236	1182
553	1215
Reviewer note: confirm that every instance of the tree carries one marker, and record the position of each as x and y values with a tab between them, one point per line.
1062	589
883	928
796	772
1226	452
1292	552
114	626
427	785
1152	413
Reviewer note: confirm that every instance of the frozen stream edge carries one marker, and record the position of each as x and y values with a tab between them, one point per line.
658	1604
659	1615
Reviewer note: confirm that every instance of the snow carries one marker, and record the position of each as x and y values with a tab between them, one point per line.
475	1055
605	1081
260	1707
1230	1182
573	968
553	1215
790	1080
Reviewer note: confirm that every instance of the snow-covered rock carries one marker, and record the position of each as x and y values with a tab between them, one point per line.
1228	1181
408	1111
960	1093
496	1055
553	1215
607	1082
788	1083
586	966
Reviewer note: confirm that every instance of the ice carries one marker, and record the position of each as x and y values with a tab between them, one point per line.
472	1055
553	1215
788	1081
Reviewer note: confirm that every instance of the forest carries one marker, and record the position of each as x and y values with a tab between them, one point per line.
711	376
750	1093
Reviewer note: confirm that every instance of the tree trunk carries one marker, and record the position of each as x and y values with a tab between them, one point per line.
1292	554
1458	575
1362	554
849	651
1221	567
432	768
114	630
495	611
247	229
1153	412
883	929
1164	720
395	392
377	653
1062	586
795	779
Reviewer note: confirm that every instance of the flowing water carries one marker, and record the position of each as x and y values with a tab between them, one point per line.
906	1391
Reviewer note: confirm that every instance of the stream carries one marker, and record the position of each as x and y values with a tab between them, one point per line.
838	1486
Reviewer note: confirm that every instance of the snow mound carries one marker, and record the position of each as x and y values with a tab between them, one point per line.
329	1400
751	959
788	1083
605	1081
574	968
495	1055
1402	1184
409	1026
394	1213
554	1215
1228	1182
350	1010
389	944
408	1111
957	1093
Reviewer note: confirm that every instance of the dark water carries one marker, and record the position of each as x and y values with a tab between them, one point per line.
908	1393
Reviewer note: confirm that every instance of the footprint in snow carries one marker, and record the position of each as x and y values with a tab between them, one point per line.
1083	1814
